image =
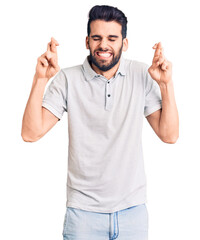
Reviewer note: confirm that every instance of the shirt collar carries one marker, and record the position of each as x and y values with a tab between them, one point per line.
90	73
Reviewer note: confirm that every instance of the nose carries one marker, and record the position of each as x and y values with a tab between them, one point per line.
103	43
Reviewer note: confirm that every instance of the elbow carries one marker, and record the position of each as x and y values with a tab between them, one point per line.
29	137
170	137
26	138
170	140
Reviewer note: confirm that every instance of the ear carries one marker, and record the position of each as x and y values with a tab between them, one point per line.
125	44
87	42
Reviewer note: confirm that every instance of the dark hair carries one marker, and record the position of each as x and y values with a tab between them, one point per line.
107	13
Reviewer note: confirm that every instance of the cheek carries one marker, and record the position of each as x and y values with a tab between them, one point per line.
91	46
116	47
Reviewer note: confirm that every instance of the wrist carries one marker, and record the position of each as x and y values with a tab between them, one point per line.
167	89
166	84
40	79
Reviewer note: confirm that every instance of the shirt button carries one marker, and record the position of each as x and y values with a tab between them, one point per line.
108	82
108	95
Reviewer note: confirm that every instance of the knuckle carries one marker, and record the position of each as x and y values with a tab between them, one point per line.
43	55
42	59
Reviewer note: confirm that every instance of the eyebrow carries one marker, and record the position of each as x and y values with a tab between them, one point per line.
110	36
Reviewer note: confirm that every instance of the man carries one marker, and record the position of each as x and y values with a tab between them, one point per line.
106	99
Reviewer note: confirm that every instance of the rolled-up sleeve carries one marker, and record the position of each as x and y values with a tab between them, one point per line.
153	100
55	97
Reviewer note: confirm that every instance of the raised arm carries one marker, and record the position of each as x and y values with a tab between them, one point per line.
37	120
165	122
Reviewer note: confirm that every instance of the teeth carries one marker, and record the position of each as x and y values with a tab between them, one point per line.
104	54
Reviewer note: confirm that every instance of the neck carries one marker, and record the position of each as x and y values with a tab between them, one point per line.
108	74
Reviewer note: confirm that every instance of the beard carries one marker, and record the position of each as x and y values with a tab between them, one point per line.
102	63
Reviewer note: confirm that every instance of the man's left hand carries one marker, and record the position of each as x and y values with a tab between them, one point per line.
161	68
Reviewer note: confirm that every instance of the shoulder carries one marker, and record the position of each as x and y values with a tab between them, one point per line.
135	65
72	70
73	73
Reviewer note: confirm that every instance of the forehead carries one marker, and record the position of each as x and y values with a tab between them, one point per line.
101	27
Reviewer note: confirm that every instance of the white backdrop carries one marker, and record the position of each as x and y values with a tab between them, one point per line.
33	175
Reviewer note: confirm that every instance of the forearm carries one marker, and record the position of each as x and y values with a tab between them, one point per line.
32	119
169	119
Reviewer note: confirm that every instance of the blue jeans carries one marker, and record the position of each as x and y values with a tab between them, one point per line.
127	224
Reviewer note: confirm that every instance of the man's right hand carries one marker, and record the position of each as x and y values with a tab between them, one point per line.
47	63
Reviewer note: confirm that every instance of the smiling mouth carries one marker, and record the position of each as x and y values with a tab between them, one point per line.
104	55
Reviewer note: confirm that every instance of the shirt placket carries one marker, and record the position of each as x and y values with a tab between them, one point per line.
108	95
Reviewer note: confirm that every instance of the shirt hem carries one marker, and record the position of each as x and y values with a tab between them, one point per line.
52	110
152	110
91	209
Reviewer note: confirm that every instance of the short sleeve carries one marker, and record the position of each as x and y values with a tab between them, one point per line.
55	97
153	100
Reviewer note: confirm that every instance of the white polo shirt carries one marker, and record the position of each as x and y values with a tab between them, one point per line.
105	117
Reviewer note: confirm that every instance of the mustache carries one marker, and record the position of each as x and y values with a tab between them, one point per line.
103	50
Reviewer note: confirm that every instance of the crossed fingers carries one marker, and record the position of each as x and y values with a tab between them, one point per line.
50	56
52	45
159	58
